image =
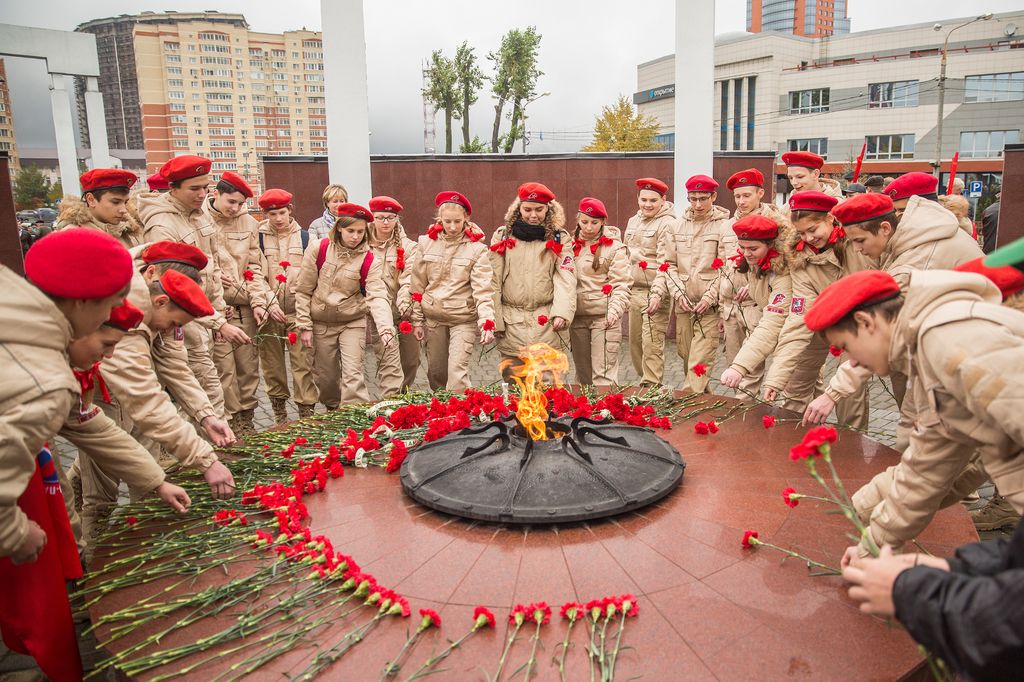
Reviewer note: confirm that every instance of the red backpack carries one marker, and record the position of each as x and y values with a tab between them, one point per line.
364	269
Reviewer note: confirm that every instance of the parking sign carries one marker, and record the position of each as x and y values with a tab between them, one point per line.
974	191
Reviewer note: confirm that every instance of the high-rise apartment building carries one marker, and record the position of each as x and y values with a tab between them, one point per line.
808	18
204	83
7	142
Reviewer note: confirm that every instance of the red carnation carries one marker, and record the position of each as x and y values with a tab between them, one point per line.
488	325
663	267
131	520
430	619
790	497
482	617
292	338
717	263
405	326
768	421
540	612
554	247
629	604
607	289
713	427
642	265
281	278
701	428
700	369
417	296
285	264
836	352
571	611
542	320
750	539
249	275
816	443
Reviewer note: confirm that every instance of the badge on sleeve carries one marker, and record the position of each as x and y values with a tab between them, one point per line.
567	263
797	308
179	334
777	299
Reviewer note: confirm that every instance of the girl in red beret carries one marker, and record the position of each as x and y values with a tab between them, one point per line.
451	293
340	281
604	279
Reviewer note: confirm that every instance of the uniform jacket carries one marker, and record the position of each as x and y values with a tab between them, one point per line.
238	250
75	212
144	364
692	248
928	238
730	246
277	250
831	187
644	238
166	219
331	294
616	270
455	278
964	353
394	279
529	276
772	295
37	392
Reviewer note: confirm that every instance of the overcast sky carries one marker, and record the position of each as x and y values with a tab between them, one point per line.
589	52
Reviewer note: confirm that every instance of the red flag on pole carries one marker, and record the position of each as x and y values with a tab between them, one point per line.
35	616
952	172
860	161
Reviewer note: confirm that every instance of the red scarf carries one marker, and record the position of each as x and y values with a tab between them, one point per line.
91	378
503	245
766	262
738	258
603	241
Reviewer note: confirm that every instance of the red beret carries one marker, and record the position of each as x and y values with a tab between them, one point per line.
701	183
909	184
593	207
186	293
185	167
536	192
449	197
238	182
275	198
756	227
157	182
653	184
355	211
1009	279
174	252
125	317
107	178
384	204
812	201
750	177
861	208
848	294
805	159
79	263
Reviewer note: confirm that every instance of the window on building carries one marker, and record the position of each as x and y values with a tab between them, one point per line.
214	48
221	85
179	130
172	58
175	83
174	94
815	145
893	95
986	144
220	108
222	131
222	143
994	87
312	43
225	61
173	70
889	147
176	107
172	47
214	36
808	101
181	143
179	119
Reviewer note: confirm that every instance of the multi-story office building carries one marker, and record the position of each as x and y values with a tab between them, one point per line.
810	18
876	88
206	84
7	142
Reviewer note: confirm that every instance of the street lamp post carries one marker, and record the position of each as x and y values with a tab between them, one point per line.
942	87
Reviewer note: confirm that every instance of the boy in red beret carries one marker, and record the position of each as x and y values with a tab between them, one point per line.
178	216
804	172
238	251
103	206
648	318
695	257
534	274
282	242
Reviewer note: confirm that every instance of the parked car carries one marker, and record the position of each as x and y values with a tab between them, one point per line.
28	216
47	215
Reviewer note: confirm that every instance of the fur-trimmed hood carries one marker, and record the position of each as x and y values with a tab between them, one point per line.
74	211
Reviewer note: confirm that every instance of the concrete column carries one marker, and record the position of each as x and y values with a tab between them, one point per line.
97	122
695	93
348	117
67	155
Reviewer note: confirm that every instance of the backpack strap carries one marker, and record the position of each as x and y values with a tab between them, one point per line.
304	234
262	249
364	272
321	256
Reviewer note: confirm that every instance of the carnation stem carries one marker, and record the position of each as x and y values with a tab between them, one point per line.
565	648
504	654
533	651
810	562
434	660
618	643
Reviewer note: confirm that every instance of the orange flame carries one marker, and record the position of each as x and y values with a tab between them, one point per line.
539	362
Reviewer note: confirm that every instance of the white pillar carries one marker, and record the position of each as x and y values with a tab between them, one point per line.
348	117
97	122
695	93
67	155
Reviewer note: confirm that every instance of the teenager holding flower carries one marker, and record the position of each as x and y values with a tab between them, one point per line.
534	273
648	318
396	363
334	196
760	269
338	283
451	292
282	243
602	295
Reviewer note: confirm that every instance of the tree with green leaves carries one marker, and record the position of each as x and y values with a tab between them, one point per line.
442	92
515	81
621	128
468	81
31	188
476	146
56	192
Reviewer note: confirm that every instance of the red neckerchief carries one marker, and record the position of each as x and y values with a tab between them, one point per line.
802	244
504	244
400	260
766	262
603	241
738	258
577	246
91	377
434	230
554	247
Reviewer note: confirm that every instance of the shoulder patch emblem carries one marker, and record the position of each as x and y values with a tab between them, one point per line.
777	299
797	308
567	263
179	334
